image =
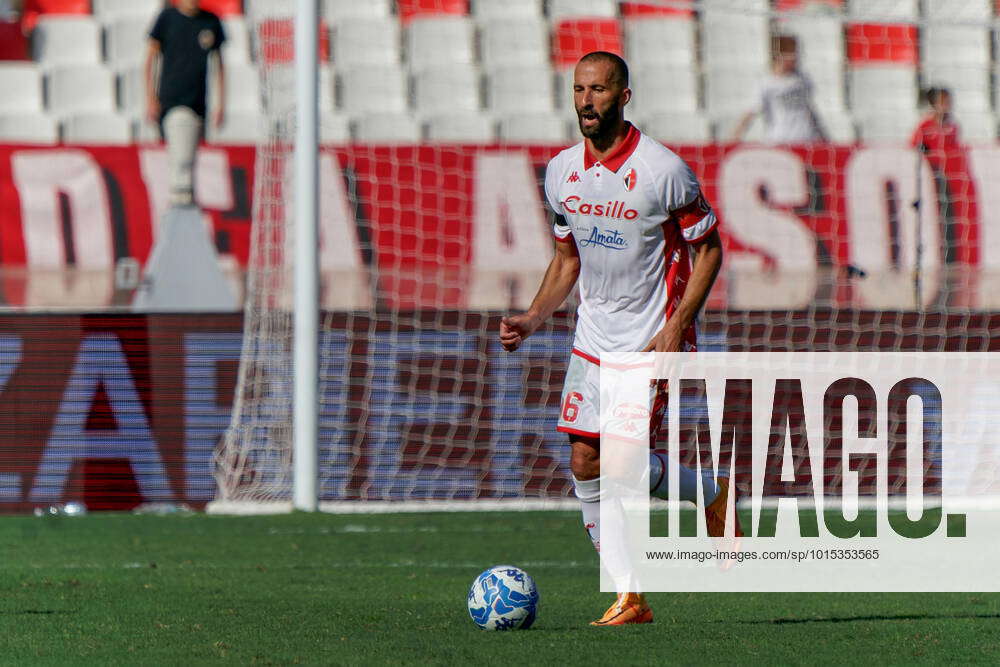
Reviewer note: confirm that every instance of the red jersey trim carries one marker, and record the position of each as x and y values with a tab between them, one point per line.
574	431
592	359
690	215
561	239
614	161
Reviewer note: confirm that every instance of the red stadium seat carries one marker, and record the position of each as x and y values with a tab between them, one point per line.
575	38
277	40
35	8
882	43
410	9
633	10
796	5
223	8
13	43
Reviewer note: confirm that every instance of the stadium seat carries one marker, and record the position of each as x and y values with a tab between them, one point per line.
977	127
26	80
13	42
564	90
258	10
34	10
434	41
719	48
469	128
520	89
653	9
660	41
366	41
724	125
125	42
387	128
111	11
560	9
838	125
882	89
523	41
453	89
97	129
334	128
958	10
236	48
664	89
132	91
828	87
486	11
893	127
282	84
531	128
884	10
809	6
415	9
336	10
81	89
144	132
67	40
223	8
276	40
733	91
820	38
373	89
575	38
242	89
677	128
942	44
240	127
970	86
31	128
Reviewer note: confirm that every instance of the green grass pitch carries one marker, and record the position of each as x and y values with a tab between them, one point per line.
390	589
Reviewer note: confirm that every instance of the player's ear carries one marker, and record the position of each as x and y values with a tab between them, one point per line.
626	96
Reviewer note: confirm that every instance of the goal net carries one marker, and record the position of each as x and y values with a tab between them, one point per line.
438	118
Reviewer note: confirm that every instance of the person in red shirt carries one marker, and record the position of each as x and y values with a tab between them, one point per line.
937	137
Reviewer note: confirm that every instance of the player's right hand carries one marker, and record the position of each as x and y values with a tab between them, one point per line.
514	329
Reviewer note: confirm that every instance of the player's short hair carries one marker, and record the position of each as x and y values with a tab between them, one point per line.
935	93
783	44
619	68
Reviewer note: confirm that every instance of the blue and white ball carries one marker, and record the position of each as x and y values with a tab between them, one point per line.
503	597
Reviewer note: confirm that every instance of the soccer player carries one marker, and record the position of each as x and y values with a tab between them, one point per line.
632	226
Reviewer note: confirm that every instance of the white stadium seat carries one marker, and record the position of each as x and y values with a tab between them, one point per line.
240	127
838	126
387	128
108	11
132	90
451	89
378	89
143	131
366	41
560	9
680	128
820	38
236	48
970	86
242	89
958	10
434	41
126	42
733	91
256	10
66	40
977	126
521	89
98	129
724	125
490	10
955	45
282	83
660	42
470	128
828	87
515	42
334	128
30	128
529	128
81	89
27	81
884	88
721	49
335	10
887	127
883	10
663	90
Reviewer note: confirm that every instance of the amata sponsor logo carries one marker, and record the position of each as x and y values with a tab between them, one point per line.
606	238
612	209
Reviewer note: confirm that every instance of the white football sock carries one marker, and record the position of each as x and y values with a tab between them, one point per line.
589	493
689	479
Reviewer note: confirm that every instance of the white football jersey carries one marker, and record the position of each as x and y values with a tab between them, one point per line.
786	103
632	217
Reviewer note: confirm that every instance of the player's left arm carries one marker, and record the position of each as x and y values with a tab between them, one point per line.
707	262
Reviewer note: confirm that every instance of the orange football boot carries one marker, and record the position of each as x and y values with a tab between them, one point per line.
628	609
715	513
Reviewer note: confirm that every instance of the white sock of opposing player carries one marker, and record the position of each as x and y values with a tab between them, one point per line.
689	479
589	493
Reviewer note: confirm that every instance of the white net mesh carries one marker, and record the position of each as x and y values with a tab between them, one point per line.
437	129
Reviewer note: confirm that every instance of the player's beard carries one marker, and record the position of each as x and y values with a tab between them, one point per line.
605	122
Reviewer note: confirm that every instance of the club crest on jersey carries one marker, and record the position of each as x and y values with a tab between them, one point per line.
573	178
630	179
612	209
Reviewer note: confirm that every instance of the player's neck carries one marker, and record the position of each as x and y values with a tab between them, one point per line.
601	147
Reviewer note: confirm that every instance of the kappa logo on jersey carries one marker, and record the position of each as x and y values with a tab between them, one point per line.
630	179
573	178
608	238
611	209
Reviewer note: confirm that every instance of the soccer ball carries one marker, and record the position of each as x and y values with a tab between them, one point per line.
503	597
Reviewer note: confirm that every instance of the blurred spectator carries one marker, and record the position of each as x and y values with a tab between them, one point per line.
9	9
937	137
182	39
786	100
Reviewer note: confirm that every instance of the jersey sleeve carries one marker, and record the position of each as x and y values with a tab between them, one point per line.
560	228
220	35
159	27
687	205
